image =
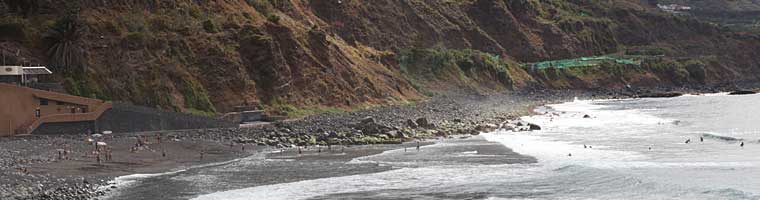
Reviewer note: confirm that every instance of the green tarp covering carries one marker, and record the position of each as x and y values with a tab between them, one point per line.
579	62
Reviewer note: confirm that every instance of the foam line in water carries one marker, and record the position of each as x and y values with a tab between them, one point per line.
424	179
127	181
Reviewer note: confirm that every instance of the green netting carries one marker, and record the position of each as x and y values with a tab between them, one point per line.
580	62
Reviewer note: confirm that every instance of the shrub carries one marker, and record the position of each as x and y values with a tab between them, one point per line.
210	26
273	18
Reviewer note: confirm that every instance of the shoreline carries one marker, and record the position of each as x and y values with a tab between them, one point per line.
40	175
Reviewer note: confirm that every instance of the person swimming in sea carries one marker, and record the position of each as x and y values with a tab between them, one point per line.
701	139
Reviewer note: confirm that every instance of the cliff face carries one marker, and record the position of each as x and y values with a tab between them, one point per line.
209	56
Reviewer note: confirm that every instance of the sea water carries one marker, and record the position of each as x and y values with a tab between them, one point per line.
624	149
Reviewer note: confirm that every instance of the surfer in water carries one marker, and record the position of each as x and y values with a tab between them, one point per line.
701	139
688	140
741	145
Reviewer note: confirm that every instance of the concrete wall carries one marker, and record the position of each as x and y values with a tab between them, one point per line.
123	117
16	105
66	128
6	125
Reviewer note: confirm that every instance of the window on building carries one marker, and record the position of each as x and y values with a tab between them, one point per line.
60	103
44	102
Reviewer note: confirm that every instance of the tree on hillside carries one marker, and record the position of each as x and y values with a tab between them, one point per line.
62	41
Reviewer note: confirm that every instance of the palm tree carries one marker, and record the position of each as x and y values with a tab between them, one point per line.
62	40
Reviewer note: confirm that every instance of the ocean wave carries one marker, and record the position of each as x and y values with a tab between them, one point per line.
730	193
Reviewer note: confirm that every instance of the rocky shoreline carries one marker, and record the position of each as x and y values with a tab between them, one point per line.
33	170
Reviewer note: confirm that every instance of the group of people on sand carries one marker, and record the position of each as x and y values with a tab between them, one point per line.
107	153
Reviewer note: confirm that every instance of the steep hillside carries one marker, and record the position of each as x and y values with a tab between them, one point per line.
291	56
736	15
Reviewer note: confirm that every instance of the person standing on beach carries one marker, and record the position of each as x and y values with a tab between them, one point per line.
418	145
108	154
202	155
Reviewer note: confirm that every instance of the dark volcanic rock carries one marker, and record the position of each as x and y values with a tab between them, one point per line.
411	124
534	127
661	95
742	92
424	123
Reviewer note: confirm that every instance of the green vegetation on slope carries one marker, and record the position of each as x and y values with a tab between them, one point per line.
436	70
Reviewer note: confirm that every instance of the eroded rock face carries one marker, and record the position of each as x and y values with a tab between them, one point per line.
214	55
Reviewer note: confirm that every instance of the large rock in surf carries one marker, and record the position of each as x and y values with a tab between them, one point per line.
742	92
661	95
534	127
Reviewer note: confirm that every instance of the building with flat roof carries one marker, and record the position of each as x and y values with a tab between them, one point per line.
24	109
22	75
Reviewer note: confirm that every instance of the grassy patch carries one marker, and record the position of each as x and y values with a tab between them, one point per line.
467	68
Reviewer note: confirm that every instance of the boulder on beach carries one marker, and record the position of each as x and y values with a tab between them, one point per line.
424	123
411	124
368	120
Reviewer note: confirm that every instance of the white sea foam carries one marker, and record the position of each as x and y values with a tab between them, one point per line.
418	179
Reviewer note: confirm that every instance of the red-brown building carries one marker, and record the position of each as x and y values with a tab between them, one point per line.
23	109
